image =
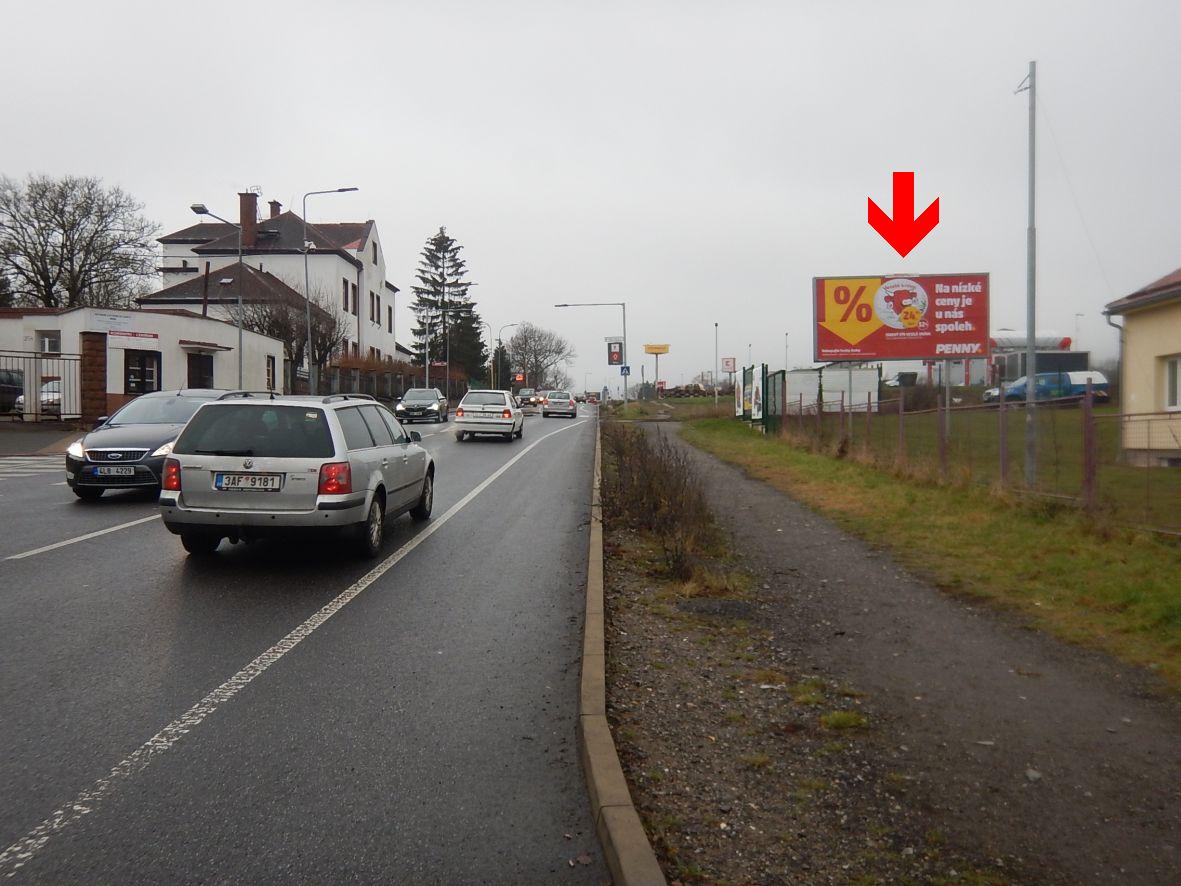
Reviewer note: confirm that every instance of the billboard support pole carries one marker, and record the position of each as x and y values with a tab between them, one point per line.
1031	300
947	400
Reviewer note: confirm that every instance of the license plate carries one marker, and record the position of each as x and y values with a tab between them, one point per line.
262	482
115	471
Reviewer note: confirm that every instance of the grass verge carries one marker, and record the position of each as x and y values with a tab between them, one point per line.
1112	589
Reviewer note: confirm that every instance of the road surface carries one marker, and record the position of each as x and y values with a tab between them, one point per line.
289	712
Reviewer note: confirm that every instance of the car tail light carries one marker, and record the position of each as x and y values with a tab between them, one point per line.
508	413
171	479
335	478
459	412
571	402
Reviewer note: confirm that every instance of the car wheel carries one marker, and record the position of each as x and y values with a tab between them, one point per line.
200	544
521	431
426	501
372	531
88	494
446	416
459	436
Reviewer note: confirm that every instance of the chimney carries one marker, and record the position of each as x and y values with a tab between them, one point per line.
248	218
276	208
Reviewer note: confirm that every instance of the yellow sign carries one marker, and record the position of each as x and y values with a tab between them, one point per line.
848	307
655	349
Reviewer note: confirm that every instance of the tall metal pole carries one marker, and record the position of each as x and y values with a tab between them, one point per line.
626	378
715	375
1031	300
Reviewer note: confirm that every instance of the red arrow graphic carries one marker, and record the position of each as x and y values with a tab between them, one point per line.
904	232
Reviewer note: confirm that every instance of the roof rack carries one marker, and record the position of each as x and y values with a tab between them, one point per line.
332	398
245	395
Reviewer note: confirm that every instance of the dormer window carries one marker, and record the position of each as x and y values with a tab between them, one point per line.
375	252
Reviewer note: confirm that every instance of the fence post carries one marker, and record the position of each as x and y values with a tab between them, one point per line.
901	456
801	415
1089	460
939	402
843	434
868	416
1003	437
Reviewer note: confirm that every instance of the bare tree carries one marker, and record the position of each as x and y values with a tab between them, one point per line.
540	354
287	322
71	242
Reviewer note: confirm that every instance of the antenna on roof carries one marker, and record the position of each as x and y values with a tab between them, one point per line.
254	189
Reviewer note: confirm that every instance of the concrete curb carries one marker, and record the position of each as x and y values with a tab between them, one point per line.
625	845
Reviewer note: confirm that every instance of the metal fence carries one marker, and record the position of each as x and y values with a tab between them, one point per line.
36	386
1126	467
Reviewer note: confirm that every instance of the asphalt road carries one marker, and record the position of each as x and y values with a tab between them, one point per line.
290	713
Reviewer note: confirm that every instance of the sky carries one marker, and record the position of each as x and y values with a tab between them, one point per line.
701	162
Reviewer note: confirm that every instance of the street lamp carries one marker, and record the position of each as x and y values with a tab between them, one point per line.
500	342
597	304
715	375
491	357
202	209
307	286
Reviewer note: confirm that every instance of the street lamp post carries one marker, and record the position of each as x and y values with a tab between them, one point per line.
500	341
202	209
617	304
715	375
307	286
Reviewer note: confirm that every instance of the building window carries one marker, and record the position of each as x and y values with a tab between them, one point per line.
141	372
375	252
355	349
370	306
389	313
49	341
353	294
200	371
271	371
1173	384
344	291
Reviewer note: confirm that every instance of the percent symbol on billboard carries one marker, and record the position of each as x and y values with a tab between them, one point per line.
864	310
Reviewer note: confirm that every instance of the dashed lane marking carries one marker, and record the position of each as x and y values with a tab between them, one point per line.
76	539
23	850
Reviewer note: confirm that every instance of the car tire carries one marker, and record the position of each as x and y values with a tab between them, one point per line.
521	431
200	544
446	417
371	533
422	510
87	493
459	436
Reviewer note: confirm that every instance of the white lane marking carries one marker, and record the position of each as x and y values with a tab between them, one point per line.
70	541
23	850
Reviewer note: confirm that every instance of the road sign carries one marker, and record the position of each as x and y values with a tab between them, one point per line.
614	353
729	364
660	385
920	317
655	349
625	370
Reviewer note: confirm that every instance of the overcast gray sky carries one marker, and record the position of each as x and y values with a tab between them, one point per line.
701	161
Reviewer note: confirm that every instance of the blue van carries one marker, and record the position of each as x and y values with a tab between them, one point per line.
1062	386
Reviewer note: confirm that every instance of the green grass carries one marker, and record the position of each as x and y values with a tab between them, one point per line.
1143	496
1114	589
843	720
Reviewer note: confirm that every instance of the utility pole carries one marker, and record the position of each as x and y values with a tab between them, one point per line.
714	379
1031	295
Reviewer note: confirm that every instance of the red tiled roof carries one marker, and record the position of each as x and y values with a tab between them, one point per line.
1164	289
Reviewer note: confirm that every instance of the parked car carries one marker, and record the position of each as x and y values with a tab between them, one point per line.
246	467
558	403
51	399
422	404
12	388
529	398
127	450
489	412
1055	386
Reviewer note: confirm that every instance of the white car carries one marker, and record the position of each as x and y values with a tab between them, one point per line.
559	403
488	412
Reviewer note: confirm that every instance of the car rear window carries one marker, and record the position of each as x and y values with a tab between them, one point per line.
256	430
559	395
483	398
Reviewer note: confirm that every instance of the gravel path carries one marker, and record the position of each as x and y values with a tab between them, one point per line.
1022	745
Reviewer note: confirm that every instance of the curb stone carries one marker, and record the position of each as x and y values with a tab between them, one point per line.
625	845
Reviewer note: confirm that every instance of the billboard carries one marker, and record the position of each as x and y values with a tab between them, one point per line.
915	317
614	353
729	364
655	349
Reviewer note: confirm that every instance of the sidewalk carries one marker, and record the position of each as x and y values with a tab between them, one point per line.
36	438
1016	742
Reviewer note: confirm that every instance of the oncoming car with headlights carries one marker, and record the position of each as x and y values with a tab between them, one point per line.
422	404
127	450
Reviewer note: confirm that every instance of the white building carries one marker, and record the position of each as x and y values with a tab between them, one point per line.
346	267
145	350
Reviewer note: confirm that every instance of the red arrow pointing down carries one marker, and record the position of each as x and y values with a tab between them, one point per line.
904	232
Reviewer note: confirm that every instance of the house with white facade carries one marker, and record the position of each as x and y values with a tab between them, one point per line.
346	268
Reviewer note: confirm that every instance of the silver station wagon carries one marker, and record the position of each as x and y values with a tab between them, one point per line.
264	465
